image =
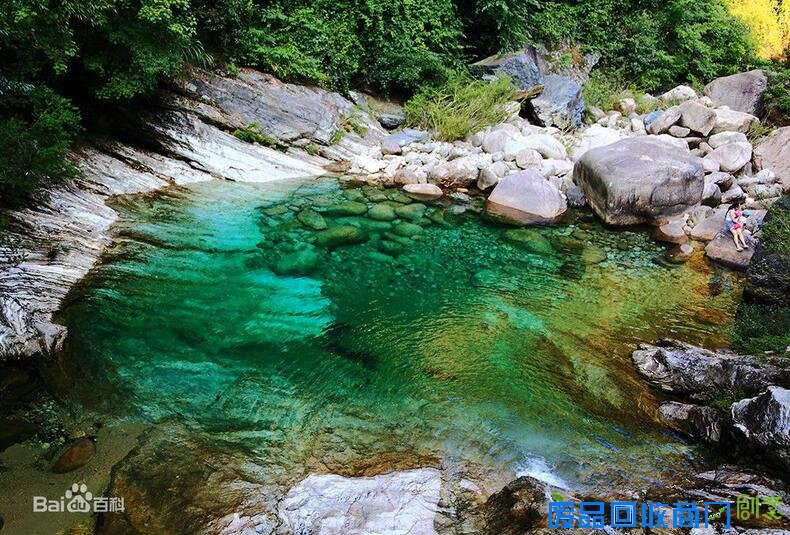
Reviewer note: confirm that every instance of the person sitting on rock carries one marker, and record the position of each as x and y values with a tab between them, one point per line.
735	224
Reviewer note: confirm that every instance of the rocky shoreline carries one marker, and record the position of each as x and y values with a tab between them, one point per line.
532	174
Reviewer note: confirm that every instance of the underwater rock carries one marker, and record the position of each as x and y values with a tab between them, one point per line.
680	253
593	255
700	374
531	240
413	211
526	198
346	209
407	230
398	502
311	219
77	456
390	247
341	235
382	212
299	262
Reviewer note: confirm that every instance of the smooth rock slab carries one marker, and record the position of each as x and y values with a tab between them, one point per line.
526	198
399	503
722	250
639	180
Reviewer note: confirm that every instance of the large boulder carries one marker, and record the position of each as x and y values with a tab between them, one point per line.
561	103
638	180
763	425
733	121
526	198
740	92
697	117
688	371
773	152
722	249
732	156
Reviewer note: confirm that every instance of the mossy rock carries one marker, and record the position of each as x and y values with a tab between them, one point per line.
407	230
406	242
311	219
390	247
529	240
346	209
399	197
341	235
382	212
413	211
300	262
376	195
568	243
593	256
355	195
275	210
369	225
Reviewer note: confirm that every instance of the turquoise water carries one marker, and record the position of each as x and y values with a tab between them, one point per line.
472	344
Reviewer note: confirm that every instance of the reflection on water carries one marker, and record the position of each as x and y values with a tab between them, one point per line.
473	343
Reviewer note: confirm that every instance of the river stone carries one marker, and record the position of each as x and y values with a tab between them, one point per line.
671	233
710	227
763	424
697	117
528	158
699	422
407	230
405	175
733	121
423	192
531	240
721	179
732	157
390	247
740	92
77	456
678	144
638	180
346	208
678	131
661	124
390	145
413	211
722	250
773	152
680	253
341	235
685	370
311	219
487	179
593	255
525	198
546	145
723	138
711	194
678	94
399	502
300	262
595	136
382	212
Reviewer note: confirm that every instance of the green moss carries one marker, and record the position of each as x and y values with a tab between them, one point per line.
251	133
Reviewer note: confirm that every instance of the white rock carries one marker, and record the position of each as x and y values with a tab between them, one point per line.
546	145
398	503
671	140
723	138
528	158
552	167
732	157
593	137
423	191
679	94
733	121
710	165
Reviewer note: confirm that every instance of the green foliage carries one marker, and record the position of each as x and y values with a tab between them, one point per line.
251	133
460	106
759	328
775	233
758	131
36	131
777	96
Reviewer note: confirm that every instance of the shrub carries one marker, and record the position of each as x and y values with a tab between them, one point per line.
777	96
251	133
460	106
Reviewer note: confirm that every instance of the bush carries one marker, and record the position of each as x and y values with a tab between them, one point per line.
777	96
460	106
759	328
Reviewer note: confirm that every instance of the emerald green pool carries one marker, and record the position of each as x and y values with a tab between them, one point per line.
472	345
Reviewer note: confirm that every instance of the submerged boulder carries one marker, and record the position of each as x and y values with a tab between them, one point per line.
341	235
740	92
639	180
526	198
700	374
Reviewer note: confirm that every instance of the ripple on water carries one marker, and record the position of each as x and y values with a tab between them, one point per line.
463	343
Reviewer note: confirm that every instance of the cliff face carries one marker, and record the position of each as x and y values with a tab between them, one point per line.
187	139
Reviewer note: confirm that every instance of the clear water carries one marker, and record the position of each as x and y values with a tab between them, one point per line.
465	348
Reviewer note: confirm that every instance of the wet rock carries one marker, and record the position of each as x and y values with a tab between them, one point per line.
525	198
700	374
593	255
346	209
740	92
390	247
423	192
407	230
77	456
700	422
516	509
528	239
341	235
639	180
382	212
680	253
413	211
763	424
398	502
773	152
311	219
671	233
301	262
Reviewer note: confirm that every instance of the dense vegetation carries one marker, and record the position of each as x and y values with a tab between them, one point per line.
61	58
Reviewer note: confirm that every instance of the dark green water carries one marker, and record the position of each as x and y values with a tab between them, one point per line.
466	347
